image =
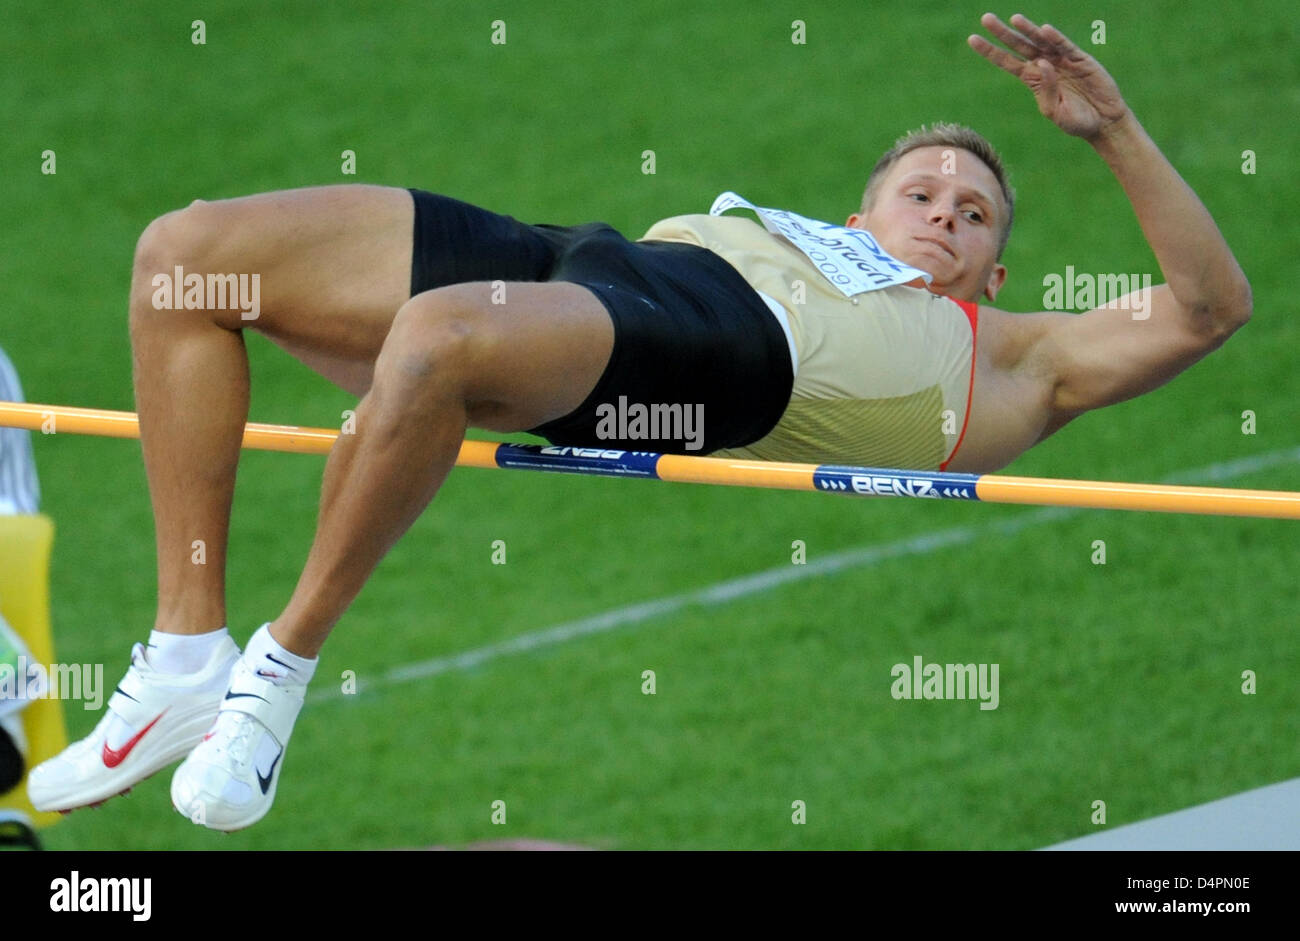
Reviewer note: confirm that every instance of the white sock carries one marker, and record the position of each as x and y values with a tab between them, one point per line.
183	653
267	659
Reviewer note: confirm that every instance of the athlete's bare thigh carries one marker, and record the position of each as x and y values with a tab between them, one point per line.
334	265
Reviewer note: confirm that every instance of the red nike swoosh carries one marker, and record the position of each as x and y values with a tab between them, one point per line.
114	757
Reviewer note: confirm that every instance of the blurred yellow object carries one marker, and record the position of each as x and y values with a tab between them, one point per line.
25	544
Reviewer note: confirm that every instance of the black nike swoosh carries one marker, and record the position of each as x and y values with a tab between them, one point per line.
230	695
281	662
126	694
266	781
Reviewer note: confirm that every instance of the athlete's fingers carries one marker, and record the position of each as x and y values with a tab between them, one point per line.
1062	46
1009	36
999	57
1032	32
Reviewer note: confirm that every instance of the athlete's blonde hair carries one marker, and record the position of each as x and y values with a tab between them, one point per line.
945	134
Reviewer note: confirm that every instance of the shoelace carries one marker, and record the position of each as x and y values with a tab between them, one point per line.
238	742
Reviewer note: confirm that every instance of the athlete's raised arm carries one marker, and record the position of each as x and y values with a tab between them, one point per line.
1109	354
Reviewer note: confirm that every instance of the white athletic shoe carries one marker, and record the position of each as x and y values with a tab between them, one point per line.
167	712
228	782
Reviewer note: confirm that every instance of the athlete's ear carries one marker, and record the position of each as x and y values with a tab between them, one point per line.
997	277
853	221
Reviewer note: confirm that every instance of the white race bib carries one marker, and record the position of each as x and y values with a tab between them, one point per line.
848	258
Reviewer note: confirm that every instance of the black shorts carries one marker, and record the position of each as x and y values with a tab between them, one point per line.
688	329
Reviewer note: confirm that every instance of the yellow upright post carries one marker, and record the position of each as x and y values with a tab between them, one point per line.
25	544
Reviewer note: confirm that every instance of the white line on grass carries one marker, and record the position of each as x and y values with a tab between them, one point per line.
746	585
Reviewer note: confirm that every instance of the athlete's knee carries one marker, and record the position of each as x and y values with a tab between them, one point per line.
181	236
171	240
437	340
196	240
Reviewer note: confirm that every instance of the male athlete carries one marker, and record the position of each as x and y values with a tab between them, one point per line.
390	294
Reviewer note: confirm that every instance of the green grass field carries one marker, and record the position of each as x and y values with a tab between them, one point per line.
1119	682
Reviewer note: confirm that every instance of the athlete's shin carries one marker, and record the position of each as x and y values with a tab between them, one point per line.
378	480
191	389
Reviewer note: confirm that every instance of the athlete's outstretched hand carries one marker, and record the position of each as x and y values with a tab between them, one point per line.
1073	91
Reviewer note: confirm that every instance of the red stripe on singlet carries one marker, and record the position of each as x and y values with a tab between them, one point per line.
972	312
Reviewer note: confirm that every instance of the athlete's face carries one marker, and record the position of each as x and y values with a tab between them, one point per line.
940	209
